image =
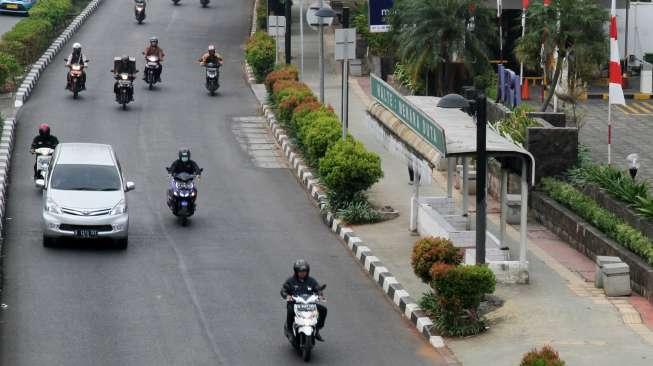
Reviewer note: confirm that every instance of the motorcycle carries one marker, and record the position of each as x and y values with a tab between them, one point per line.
151	67
181	195
212	77
124	90
176	2
75	73
204	3
139	10
302	334
43	157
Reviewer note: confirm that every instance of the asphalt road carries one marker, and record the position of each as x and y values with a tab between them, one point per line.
206	294
7	21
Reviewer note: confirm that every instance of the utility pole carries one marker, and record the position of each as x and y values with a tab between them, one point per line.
288	11
345	80
481	175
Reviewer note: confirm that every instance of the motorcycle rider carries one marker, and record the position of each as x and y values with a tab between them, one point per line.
211	56
43	139
184	164
76	58
123	68
154	50
301	284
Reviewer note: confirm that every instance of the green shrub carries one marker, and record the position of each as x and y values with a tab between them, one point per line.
348	168
431	250
319	136
283	88
9	68
616	182
602	219
358	212
27	40
262	16
459	293
302	122
290	100
546	356
285	72
260	54
54	11
303	109
487	82
515	124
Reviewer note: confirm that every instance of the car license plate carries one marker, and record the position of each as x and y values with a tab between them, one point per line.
86	233
12	6
184	203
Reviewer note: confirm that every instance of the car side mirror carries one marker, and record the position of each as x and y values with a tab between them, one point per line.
40	183
130	186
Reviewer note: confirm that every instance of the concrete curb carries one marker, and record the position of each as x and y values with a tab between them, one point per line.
29	83
23	93
383	278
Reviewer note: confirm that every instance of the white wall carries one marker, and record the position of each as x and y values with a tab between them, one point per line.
640	29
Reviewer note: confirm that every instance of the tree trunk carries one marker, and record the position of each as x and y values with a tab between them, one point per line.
554	83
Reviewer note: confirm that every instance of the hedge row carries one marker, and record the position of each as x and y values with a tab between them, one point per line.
345	166
260	54
602	219
30	37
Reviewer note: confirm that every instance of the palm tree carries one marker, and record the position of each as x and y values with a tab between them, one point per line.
431	34
576	28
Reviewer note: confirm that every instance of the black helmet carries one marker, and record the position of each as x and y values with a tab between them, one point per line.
184	153
154	40
301	265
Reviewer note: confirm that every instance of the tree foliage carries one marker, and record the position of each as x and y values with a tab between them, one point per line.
576	29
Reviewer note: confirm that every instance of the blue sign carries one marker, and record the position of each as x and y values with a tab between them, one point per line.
379	10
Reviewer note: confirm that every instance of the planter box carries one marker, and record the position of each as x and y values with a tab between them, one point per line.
620	209
590	241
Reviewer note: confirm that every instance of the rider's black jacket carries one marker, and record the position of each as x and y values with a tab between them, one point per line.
45	141
189	167
296	286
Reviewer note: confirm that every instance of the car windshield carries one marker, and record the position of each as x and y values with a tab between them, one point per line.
79	177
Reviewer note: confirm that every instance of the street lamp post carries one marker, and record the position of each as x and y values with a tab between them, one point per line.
476	107
323	15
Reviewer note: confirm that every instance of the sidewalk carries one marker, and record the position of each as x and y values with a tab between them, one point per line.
560	307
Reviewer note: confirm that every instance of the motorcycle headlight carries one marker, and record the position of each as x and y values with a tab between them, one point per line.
176	193
193	193
52	207
119	209
124	76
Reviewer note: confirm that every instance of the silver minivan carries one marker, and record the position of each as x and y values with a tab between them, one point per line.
84	195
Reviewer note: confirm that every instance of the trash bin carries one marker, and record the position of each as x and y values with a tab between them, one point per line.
646	78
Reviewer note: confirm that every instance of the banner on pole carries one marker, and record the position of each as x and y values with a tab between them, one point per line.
379	10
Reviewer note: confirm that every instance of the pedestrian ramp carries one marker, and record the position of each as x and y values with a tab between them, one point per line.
253	136
637	108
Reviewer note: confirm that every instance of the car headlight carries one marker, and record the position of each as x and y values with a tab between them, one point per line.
52	207
120	208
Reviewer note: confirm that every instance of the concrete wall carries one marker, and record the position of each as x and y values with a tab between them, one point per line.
590	241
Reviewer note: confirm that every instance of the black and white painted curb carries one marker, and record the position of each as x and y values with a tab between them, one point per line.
29	83
370	263
23	93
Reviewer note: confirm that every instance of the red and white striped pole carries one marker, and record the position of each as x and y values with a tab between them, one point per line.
616	93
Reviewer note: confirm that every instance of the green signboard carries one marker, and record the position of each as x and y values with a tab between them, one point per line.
409	114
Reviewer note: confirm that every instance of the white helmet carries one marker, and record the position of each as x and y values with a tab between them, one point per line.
77	46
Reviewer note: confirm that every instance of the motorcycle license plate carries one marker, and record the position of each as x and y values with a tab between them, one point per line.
12	6
184	203
306	307
86	233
